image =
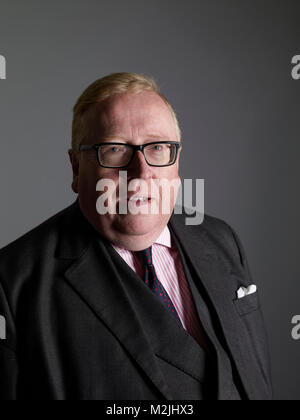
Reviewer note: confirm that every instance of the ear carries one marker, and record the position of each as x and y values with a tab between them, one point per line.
74	159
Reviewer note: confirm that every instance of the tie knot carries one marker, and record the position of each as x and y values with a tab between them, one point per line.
146	256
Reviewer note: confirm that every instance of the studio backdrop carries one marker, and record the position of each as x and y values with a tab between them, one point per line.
231	70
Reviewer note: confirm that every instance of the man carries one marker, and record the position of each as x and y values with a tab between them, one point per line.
129	305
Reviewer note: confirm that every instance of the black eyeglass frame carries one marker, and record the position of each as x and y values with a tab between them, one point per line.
85	147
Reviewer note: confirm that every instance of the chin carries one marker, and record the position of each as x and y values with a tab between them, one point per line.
139	224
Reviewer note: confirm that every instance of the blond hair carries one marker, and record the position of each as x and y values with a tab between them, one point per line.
101	89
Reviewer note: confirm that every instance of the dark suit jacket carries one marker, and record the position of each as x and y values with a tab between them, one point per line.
80	323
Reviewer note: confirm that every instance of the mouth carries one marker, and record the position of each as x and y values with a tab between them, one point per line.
140	200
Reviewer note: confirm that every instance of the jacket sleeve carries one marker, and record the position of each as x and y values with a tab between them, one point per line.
8	359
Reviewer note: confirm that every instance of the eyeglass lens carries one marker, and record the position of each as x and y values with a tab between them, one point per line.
120	155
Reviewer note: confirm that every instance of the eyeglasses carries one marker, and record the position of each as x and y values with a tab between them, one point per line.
120	155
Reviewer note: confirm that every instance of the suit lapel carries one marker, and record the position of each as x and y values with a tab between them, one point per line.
217	281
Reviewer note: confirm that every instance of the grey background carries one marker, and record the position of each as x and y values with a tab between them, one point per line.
225	66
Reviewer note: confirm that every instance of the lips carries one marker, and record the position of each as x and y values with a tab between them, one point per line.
140	201
139	198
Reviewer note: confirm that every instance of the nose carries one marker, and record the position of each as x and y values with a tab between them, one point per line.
138	167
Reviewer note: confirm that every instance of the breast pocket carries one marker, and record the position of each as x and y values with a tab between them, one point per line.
247	304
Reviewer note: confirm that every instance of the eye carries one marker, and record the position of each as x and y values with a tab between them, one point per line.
157	147
115	149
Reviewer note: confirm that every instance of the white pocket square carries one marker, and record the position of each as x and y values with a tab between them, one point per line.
246	291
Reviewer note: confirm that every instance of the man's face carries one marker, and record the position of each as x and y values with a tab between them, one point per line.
133	119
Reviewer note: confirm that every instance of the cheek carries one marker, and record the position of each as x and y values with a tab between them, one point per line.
169	173
87	180
90	178
169	188
89	175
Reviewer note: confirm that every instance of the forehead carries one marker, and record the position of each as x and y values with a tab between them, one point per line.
134	115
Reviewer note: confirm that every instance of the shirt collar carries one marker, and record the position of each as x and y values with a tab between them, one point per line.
164	238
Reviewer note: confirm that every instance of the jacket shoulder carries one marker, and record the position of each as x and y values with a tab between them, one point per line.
36	245
226	235
36	235
215	233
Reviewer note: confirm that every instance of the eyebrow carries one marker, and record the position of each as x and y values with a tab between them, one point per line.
149	136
